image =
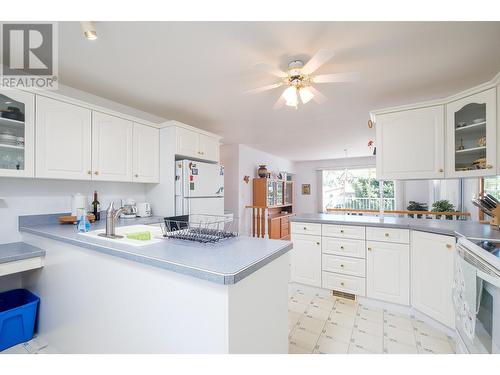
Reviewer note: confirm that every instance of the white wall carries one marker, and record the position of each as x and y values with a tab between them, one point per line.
307	172
38	196
239	194
106	103
229	156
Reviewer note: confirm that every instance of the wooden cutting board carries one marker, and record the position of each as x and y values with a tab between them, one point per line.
74	220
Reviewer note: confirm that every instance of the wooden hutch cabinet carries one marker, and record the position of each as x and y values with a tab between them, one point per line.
276	197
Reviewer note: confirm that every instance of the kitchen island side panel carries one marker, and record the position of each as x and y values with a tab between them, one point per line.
97	303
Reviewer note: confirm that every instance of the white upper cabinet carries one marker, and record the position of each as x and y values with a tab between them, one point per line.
187	143
63	140
209	147
410	144
111	148
17	136
146	165
388	272
471	132
196	145
451	137
432	275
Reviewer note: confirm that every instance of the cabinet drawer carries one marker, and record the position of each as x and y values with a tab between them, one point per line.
344	231
388	235
285	224
343	265
345	247
306	228
284	232
344	283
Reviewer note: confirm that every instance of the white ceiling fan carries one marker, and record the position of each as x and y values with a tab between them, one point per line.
299	80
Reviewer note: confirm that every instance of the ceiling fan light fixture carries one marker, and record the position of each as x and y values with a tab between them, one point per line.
89	30
290	95
305	95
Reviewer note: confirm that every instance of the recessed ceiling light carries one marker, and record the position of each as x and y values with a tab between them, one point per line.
8	102
89	31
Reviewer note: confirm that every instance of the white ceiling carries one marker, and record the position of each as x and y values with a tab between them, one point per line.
195	72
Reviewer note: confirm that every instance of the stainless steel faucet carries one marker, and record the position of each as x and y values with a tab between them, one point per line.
111	217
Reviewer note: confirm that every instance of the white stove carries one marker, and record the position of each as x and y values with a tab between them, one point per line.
476	296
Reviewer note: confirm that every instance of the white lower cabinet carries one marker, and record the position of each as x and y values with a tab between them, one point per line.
432	275
385	269
344	283
306	259
388	272
343	265
343	247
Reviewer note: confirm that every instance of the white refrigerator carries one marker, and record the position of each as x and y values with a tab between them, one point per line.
199	188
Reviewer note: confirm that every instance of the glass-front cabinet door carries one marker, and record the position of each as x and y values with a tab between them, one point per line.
16	133
279	193
288	192
471	135
271	193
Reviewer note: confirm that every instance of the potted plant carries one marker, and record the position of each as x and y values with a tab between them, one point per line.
416	206
443	206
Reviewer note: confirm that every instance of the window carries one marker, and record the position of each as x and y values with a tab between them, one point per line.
355	188
492	186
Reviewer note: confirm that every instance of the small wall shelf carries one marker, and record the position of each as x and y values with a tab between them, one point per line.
470	150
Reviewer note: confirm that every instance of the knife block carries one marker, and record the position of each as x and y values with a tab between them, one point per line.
495	219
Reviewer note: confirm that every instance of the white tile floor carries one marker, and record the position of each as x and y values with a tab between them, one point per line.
34	346
320	323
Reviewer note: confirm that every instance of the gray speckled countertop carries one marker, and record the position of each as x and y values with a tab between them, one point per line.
469	229
226	262
11	252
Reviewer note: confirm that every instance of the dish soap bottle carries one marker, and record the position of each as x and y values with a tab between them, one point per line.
83	224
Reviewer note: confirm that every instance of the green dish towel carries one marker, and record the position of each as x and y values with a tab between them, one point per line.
141	236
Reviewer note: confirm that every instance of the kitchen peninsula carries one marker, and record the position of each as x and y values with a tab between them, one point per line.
170	296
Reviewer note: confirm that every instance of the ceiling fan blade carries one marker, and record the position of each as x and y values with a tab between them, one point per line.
336	77
271	70
263	88
318	96
279	103
321	57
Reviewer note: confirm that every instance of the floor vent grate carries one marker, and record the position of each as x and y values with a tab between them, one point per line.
337	293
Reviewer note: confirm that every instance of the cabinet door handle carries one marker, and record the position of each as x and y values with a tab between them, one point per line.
342	283
448	246
342	266
89	172
441	170
341	247
341	231
387	234
305	228
317	243
489	166
369	249
96	173
136	175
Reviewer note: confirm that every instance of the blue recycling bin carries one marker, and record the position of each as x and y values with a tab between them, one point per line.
18	310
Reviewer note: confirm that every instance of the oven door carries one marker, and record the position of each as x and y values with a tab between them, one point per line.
477	301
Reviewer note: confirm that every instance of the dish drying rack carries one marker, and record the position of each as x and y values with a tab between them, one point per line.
199	228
